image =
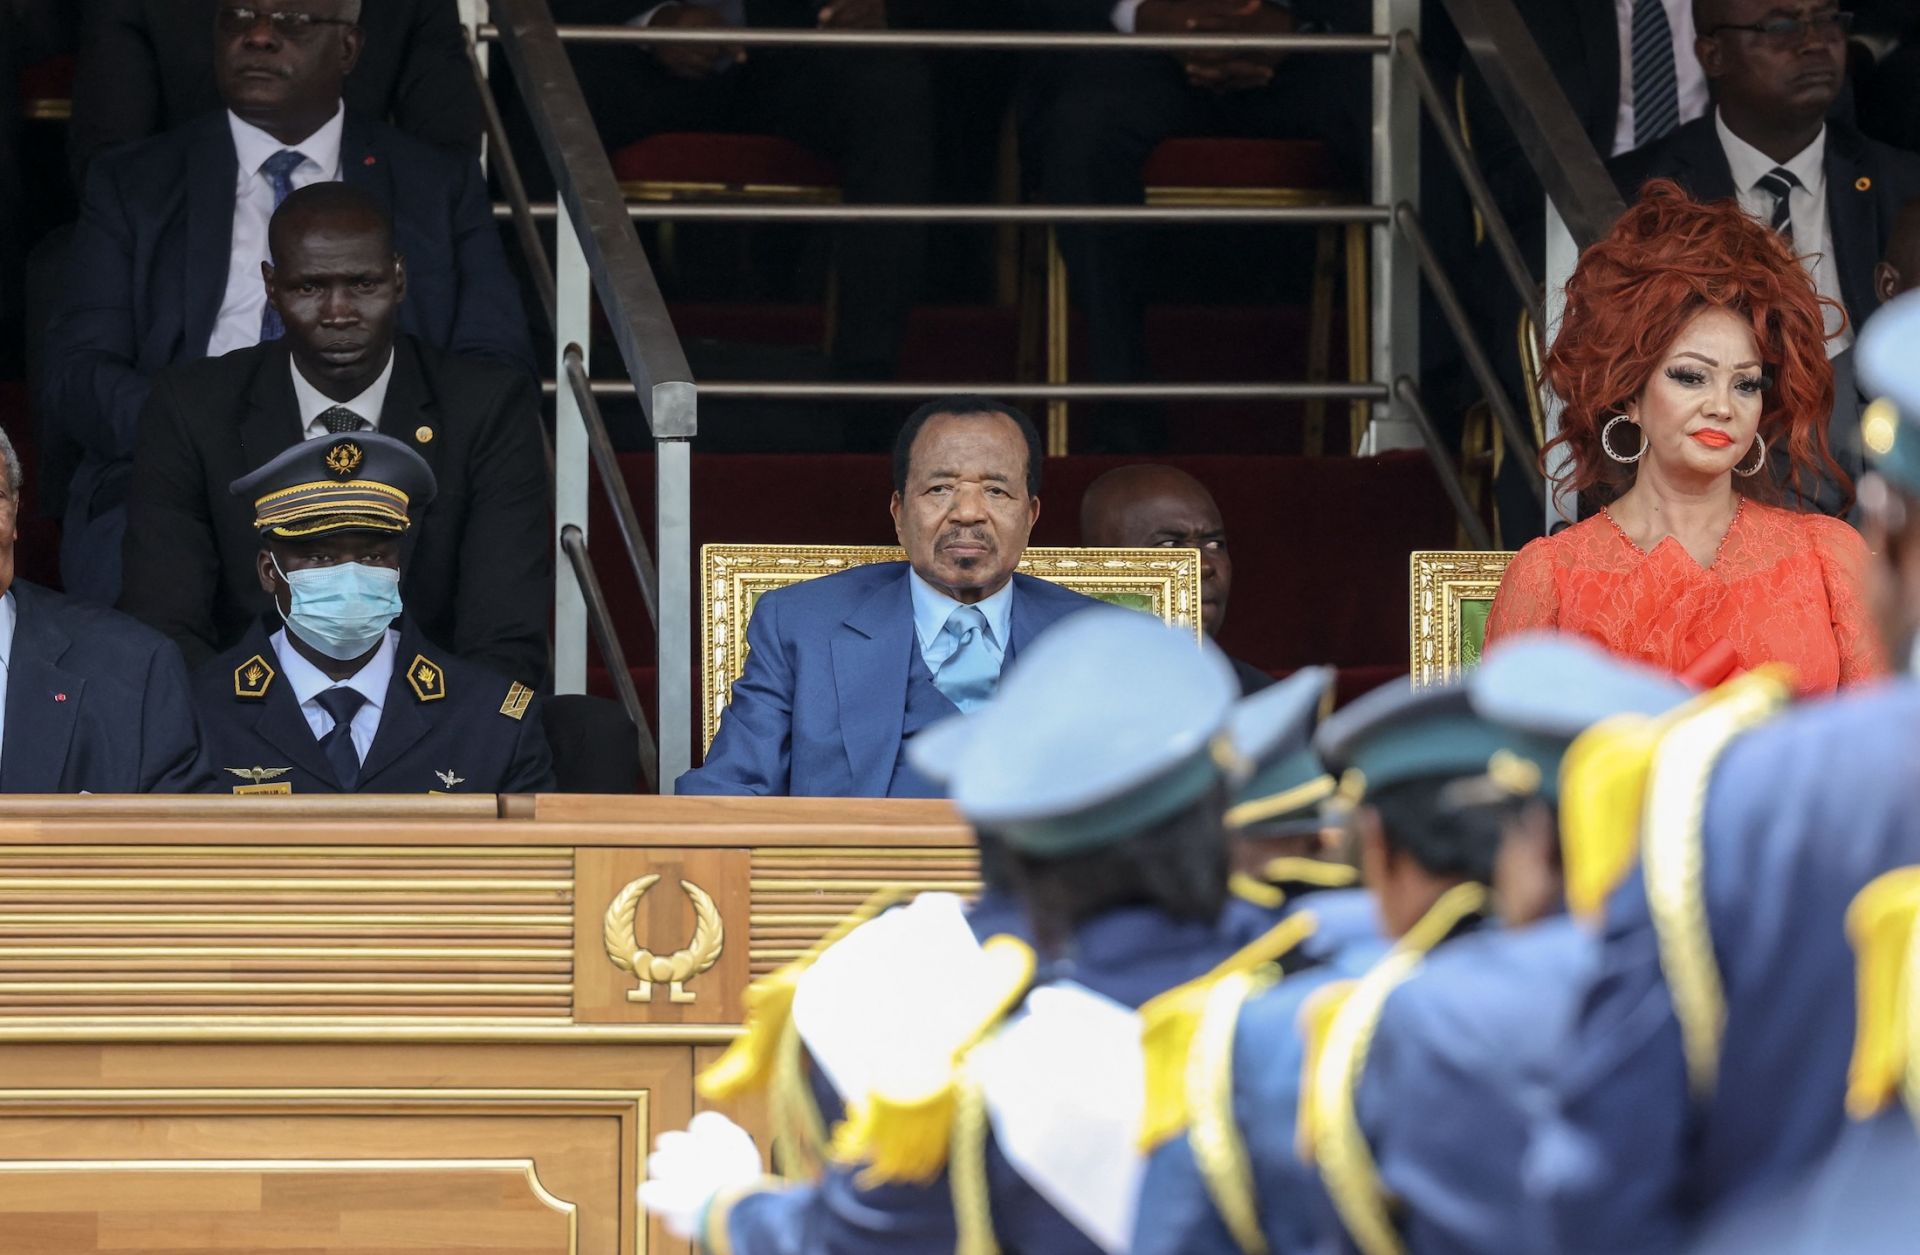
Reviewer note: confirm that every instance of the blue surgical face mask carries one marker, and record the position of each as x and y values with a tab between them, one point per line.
341	610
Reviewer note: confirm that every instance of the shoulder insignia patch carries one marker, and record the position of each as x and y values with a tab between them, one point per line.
515	707
428	680
252	678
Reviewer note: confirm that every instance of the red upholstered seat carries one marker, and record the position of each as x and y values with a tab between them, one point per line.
46	87
738	163
1240	163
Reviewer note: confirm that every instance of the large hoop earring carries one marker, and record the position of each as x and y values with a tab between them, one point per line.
1606	445
1760	458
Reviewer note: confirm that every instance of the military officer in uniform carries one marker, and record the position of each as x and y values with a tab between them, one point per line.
344	695
1708	1065
1106	804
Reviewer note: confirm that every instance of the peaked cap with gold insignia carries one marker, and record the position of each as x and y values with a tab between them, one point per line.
363	482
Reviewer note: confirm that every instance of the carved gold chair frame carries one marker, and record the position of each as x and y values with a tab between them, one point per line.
1451	592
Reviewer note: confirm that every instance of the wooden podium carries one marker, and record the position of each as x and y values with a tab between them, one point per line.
387	1025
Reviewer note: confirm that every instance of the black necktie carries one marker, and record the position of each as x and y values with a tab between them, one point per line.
1779	184
340	420
1656	81
337	744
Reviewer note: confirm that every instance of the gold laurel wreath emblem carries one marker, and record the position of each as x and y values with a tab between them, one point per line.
675	970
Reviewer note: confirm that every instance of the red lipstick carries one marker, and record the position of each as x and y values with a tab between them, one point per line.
1713	438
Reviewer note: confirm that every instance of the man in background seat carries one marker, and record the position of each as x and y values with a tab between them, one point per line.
165	262
1154	507
480	575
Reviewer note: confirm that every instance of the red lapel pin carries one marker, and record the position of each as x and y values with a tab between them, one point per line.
59	697
367	161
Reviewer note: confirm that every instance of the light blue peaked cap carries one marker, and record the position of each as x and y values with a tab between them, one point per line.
1547	688
1273	731
1107	724
1887	357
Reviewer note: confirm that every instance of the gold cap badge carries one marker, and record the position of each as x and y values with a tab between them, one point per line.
344	459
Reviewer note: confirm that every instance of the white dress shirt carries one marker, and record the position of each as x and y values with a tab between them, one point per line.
309	681
313	402
932	608
1807	204
238	325
1689	77
6	657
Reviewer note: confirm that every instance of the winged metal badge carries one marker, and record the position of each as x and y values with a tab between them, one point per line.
675	970
449	778
259	775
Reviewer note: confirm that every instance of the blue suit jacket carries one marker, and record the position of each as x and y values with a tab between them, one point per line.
147	271
96	703
819	710
1800	814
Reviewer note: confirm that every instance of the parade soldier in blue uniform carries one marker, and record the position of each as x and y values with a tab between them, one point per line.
1420	1148
1708	1064
1106	803
346	696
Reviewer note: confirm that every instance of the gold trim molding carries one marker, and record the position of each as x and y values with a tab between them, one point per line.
1440	582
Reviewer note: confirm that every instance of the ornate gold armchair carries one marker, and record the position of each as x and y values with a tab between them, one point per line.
1451	593
1162	582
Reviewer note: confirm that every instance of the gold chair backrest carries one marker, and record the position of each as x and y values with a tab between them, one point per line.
1451	592
1162	582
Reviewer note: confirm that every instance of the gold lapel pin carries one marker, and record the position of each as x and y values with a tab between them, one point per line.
423	434
1862	184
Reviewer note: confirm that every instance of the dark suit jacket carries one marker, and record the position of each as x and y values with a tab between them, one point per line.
148	270
146	66
820	707
479	577
456	729
1867	183
96	703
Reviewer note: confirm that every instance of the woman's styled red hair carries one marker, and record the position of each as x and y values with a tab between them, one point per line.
1667	259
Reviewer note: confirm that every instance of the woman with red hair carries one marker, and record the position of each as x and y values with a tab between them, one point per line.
1692	344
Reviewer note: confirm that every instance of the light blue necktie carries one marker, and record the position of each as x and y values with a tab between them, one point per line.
279	170
969	674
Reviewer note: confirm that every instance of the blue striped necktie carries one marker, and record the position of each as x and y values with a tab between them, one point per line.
279	170
1656	80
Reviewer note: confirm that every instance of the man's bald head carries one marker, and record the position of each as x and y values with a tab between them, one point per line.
333	208
1899	269
1150	507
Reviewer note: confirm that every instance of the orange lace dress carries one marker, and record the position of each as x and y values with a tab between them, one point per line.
1783	587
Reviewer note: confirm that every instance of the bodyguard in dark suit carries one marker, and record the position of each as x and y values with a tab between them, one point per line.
146	66
844	670
1770	143
348	696
164	258
480	572
90	701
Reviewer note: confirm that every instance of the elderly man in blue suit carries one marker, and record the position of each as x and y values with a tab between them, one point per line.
165	262
842	671
90	701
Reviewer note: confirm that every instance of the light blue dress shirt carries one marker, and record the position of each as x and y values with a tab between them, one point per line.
309	681
931	607
6	656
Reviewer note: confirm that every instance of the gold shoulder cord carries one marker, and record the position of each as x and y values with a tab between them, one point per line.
967	1169
799	1130
1339	1145
1219	1149
1675	858
1910	1075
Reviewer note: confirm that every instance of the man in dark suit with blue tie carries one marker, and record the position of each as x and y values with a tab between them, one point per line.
843	670
165	262
90	701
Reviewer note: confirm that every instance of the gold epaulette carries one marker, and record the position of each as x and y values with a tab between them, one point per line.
1880	923
519	697
1170	1021
904	1134
1337	1056
1674	856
